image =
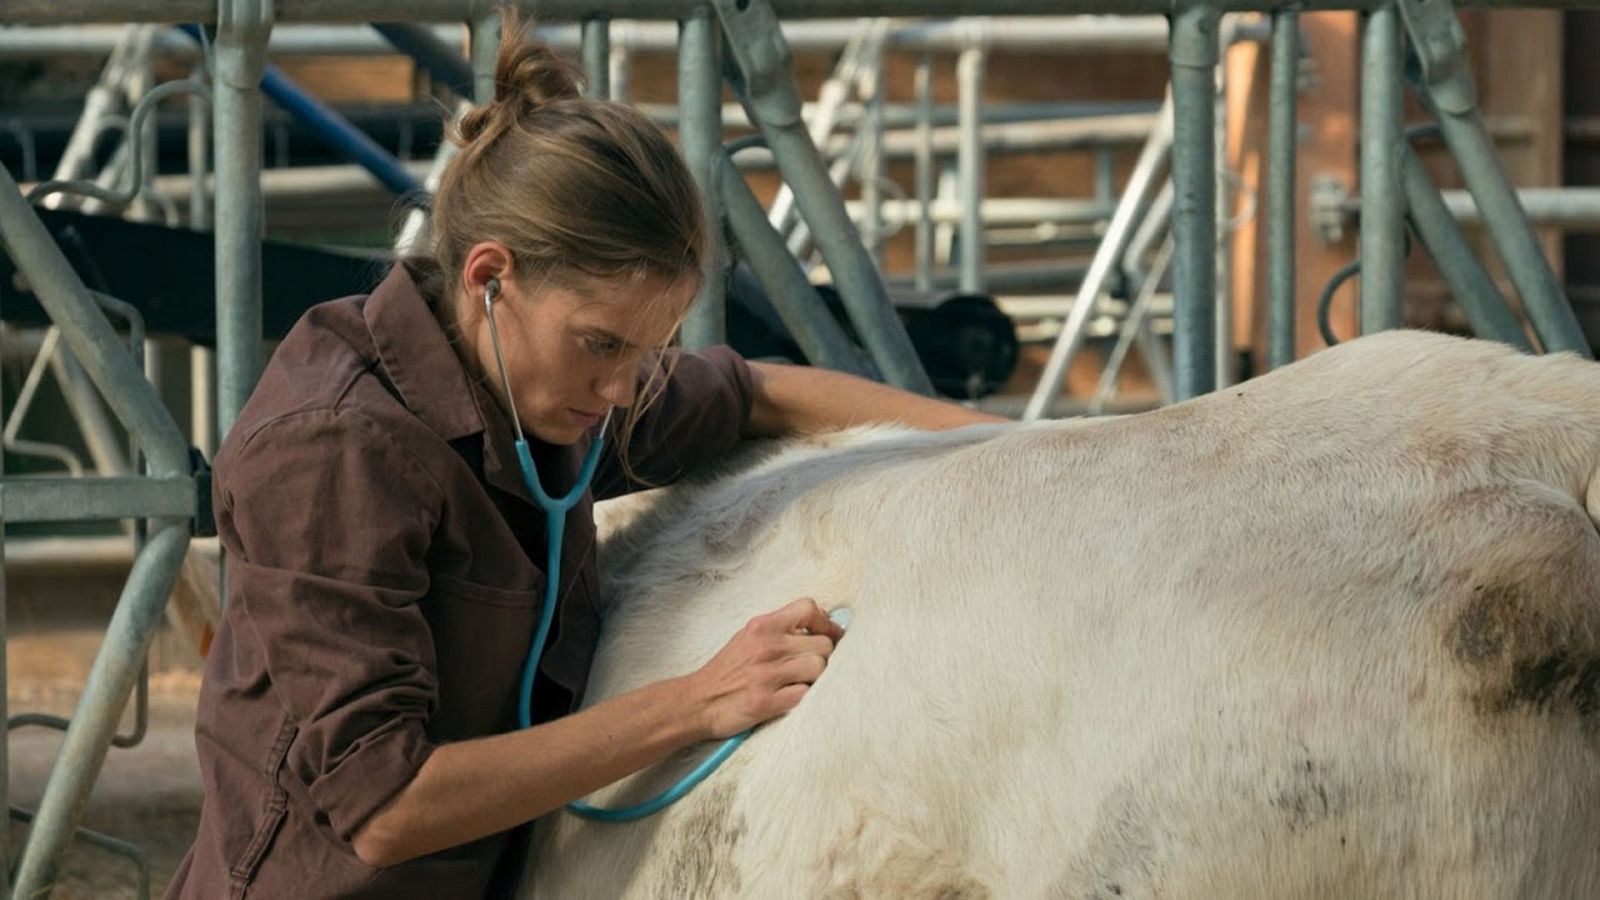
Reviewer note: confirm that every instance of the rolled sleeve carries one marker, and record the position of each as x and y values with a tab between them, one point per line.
700	412
329	527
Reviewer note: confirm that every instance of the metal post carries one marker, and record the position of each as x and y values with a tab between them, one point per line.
1194	57
765	83
1472	287
1223	292
872	160
244	26
969	85
597	57
1382	237
924	174
1281	139
818	335
202	360
621	65
700	137
485	45
1106	257
139	612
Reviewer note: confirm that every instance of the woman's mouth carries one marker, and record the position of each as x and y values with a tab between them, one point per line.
584	419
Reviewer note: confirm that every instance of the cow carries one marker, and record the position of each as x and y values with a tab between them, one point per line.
1330	633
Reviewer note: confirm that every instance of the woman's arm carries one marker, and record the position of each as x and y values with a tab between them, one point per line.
801	399
470	789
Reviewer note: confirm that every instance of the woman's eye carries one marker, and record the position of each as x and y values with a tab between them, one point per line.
602	347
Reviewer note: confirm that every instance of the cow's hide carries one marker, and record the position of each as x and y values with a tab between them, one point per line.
1331	633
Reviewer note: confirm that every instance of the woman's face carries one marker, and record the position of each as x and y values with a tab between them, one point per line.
573	352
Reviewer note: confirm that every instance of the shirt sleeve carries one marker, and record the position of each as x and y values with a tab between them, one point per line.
701	411
327	525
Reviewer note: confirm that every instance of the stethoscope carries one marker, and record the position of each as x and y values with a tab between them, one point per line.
555	510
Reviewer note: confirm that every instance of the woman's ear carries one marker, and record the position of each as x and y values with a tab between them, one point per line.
487	263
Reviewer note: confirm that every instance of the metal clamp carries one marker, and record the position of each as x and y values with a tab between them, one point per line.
764	60
1441	50
245	24
1196	46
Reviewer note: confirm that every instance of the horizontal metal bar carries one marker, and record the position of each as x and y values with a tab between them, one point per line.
174	11
95	499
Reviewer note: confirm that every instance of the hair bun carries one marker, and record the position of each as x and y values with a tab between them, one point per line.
528	76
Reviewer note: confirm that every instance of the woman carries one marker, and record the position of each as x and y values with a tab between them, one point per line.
357	730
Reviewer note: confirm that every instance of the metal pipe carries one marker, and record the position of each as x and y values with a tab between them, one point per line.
103	98
872	174
1194	56
199	151
139	612
700	138
1222	336
485	48
765	81
1106	256
1469	283
597	57
1382	241
970	164
89	414
1281	140
240	51
442	61
87	332
1131	328
620	68
924	173
1513	237
812	326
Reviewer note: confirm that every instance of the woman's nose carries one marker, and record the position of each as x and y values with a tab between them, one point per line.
620	387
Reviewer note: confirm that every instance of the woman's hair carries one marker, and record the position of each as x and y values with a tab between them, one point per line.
579	189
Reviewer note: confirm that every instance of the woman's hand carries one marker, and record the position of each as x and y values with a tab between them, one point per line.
765	669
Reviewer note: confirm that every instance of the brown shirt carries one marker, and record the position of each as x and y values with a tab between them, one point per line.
386	572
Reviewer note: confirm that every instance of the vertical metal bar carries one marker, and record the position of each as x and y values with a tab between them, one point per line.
924	173
700	136
1469	283
89	413
818	335
1281	139
5	712
1194	56
139	612
1223	335
1104	263
199	148
1382	237
485	46
102	99
621	66
597	57
970	161
240	52
202	360
872	125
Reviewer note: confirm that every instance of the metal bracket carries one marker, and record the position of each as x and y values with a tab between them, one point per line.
1441	50
1195	47
764	61
1330	198
204	523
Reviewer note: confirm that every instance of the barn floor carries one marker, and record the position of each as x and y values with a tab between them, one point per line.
149	794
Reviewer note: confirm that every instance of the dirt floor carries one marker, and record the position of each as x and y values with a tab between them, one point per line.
148	795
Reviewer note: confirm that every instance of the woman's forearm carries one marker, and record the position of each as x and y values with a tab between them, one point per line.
467	790
802	399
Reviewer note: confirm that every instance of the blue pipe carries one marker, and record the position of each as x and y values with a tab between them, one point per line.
332	128
443	63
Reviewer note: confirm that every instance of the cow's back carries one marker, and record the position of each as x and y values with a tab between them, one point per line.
1332	633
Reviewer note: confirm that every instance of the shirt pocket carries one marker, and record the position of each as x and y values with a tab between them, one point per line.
270	820
481	634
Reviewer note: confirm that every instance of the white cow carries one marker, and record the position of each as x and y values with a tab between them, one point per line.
1333	633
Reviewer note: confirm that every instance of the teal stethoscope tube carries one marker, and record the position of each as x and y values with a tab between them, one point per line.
555	510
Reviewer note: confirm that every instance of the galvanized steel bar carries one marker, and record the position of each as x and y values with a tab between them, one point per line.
95	499
1222	294
1469	282
1106	258
872	174
765	79
924	172
1282	128
813	328
87	332
240	53
484	45
970	164
139	612
442	61
1194	55
700	139
1449	90
1383	210
597	57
